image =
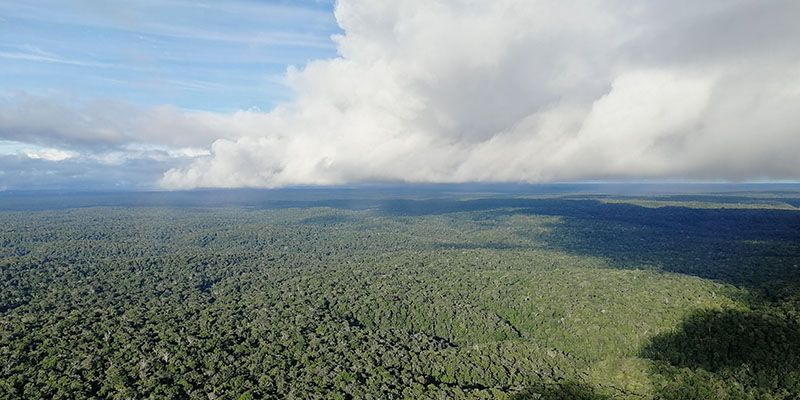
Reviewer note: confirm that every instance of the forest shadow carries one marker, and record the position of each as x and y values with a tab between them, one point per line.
560	391
728	354
758	249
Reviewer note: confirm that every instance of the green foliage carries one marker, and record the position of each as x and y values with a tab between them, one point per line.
758	350
560	299
561	391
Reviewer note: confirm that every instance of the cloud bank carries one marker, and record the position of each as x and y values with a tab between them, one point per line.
452	91
503	90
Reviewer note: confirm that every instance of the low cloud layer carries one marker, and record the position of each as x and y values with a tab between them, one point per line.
505	90
43	171
56	120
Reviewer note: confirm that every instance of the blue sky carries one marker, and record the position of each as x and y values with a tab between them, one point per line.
206	55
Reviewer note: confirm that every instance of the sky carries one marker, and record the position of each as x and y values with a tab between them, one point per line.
182	94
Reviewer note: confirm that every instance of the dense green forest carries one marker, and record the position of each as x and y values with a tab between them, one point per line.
547	297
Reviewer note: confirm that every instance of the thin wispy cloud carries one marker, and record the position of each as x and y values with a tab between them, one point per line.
259	38
206	55
223	22
51	58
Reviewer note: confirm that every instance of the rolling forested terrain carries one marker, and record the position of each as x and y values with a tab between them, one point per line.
551	297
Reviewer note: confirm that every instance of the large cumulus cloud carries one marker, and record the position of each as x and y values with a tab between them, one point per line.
520	90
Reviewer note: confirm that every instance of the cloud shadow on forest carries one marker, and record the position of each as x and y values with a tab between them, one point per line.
758	249
760	350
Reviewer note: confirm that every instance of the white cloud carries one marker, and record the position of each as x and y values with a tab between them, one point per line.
74	122
48	154
530	91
